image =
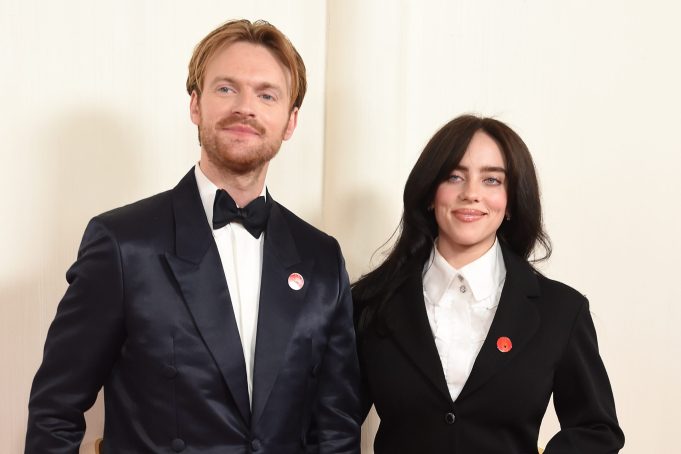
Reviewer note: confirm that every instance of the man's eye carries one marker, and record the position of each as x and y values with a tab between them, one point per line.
267	97
224	89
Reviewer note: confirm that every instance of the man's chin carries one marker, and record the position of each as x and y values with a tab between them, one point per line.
243	168
243	164
239	160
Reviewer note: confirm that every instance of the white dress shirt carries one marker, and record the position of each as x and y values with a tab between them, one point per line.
461	305
241	257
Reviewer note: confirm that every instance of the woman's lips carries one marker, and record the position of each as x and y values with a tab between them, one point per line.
468	215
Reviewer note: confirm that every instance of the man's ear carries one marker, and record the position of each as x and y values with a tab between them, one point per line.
292	123
194	108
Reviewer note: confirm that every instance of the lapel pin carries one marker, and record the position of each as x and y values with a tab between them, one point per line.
296	281
504	344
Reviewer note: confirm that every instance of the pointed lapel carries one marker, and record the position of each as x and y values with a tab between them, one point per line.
279	305
409	326
516	318
197	267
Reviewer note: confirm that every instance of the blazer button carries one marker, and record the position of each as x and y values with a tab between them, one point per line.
450	418
255	445
177	445
169	371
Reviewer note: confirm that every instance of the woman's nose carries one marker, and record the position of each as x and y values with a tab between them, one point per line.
469	191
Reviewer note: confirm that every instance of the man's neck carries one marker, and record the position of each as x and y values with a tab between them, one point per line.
243	187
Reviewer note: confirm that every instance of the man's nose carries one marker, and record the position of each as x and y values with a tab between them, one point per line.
244	104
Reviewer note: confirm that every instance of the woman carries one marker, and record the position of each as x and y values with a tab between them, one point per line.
461	341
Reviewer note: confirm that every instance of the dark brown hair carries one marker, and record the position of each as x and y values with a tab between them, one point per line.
418	228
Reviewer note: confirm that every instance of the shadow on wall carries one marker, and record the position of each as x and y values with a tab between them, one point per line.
363	221
96	162
90	162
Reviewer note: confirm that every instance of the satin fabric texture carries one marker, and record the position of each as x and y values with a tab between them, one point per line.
147	315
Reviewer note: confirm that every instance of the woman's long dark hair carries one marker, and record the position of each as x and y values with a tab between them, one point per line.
418	228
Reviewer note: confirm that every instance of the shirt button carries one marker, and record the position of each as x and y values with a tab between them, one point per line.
255	445
177	445
460	277
169	371
462	289
450	418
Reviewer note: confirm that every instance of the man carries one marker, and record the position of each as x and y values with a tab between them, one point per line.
216	320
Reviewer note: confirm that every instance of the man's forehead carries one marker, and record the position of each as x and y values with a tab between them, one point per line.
243	52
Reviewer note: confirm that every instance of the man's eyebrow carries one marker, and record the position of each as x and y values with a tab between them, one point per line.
223	79
268	86
258	85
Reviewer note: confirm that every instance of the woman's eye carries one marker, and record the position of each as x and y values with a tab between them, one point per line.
492	181
455	178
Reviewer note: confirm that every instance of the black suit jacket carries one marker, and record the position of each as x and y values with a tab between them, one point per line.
147	315
500	408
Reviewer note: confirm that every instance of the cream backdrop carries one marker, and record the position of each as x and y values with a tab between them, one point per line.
94	116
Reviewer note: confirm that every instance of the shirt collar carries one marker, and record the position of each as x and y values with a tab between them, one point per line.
438	276
207	191
483	275
487	273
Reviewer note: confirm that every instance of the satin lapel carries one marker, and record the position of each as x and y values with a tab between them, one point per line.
197	267
279	305
516	318
408	323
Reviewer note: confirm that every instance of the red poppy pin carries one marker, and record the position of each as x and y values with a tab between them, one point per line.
504	344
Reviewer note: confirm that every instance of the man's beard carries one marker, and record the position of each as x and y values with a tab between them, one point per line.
229	155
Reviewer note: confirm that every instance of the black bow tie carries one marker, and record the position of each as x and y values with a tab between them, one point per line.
253	216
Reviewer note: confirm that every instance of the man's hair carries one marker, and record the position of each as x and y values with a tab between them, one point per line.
259	32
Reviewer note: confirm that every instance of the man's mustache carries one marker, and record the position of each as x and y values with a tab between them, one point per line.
240	120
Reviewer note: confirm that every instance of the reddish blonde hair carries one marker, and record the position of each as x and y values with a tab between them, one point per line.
259	32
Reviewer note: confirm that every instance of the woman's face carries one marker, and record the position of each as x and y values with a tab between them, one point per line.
470	205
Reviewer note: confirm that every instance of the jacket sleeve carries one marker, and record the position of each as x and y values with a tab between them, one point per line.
366	401
336	417
583	397
82	344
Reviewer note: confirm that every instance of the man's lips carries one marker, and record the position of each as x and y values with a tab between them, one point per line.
240	128
469	215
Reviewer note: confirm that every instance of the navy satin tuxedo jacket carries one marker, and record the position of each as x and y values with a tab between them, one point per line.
147	315
501	406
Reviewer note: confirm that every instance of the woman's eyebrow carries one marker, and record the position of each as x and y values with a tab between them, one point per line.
483	169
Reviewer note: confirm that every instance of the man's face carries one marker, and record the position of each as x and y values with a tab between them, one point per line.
243	113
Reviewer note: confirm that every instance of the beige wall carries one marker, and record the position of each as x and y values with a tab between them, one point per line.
94	115
592	87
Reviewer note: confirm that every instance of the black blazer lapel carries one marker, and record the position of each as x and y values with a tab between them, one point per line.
408	322
279	305
516	318
197	267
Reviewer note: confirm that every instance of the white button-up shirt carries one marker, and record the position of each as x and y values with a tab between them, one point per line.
461	305
241	257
